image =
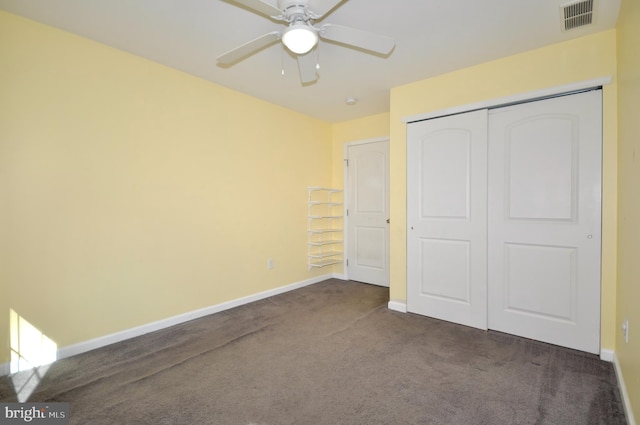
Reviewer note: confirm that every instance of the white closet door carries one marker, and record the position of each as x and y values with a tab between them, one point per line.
545	220
447	218
368	206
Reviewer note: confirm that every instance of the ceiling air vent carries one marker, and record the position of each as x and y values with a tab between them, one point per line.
577	14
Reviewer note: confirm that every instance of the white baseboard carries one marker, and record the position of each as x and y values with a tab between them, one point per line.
606	355
340	276
5	369
623	391
92	344
397	306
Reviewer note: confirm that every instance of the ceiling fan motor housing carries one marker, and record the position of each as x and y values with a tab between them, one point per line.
294	10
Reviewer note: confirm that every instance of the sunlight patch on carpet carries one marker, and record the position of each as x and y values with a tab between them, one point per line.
31	354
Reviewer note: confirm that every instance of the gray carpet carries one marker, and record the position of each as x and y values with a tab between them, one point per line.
330	353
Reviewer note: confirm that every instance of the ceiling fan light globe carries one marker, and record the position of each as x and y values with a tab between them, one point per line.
299	38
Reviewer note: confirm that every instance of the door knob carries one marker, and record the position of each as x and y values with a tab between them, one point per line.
388	220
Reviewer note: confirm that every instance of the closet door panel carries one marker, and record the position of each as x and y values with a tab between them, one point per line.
446	217
544	220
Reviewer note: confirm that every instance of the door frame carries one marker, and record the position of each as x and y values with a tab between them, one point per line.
346	194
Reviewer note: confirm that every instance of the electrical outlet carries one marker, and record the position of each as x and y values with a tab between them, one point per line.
625	330
270	263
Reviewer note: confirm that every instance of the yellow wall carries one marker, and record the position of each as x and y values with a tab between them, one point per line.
629	197
131	192
572	61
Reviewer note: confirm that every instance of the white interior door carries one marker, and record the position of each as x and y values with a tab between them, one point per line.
368	212
545	220
447	218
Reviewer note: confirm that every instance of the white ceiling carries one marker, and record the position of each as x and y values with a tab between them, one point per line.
432	37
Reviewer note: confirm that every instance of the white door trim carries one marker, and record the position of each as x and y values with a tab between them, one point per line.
520	97
346	194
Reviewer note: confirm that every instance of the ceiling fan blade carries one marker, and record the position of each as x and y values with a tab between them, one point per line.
357	38
248	48
262	7
307	67
319	8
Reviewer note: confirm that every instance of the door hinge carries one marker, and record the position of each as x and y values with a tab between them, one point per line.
346	162
347	213
347	262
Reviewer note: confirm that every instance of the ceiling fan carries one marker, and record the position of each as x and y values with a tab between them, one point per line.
301	35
